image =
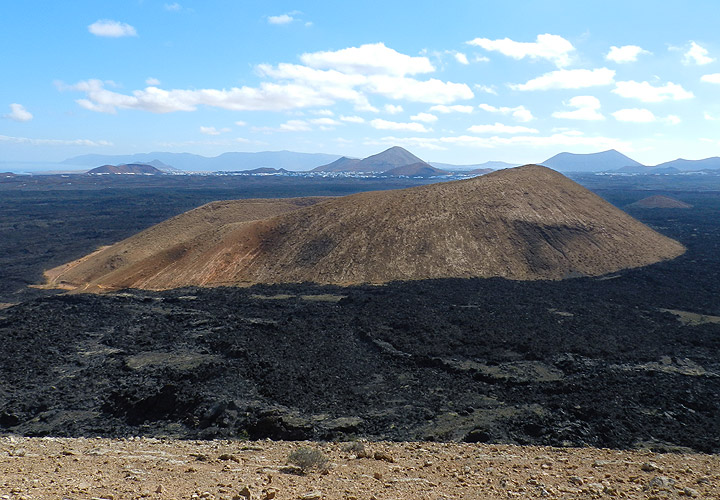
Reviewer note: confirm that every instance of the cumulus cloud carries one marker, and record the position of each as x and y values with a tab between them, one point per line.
697	54
520	113
153	82
281	19
240	123
569	79
112	29
53	142
324	122
173	7
393	109
327	78
323	112
368	59
388	125
456	108
18	113
711	117
645	92
424	117
625	54
587	109
711	78
352	119
499	128
461	58
553	48
485	88
213	130
635	115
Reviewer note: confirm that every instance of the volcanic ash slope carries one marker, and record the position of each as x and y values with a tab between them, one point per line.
523	223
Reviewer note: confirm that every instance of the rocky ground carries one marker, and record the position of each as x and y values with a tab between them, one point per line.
52	468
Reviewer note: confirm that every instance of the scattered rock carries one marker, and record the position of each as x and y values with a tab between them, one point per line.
650	467
311	495
661	483
382	455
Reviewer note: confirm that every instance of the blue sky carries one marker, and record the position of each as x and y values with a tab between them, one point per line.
457	81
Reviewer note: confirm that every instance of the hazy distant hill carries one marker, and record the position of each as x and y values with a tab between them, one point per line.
420	169
493	165
604	161
382	162
131	168
288	160
692	165
647	170
659	201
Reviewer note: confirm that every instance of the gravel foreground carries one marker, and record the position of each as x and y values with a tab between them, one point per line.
62	468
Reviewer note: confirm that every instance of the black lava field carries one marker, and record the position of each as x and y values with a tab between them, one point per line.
625	361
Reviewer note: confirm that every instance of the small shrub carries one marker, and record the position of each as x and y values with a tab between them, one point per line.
356	448
308	458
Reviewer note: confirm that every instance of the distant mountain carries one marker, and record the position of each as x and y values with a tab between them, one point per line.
647	170
659	201
7	174
381	162
594	162
265	170
480	171
131	168
420	169
288	160
492	165
692	165
343	164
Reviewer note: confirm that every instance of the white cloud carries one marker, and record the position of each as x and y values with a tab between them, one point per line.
711	117
499	128
554	48
625	54
53	142
711	78
268	97
393	109
213	130
112	29
520	113
457	108
587	109
153	82
635	115
323	112
18	113
173	7
353	119
240	123
295	126
672	119
485	88
369	59
569	79
645	92
325	122
461	58
388	125
424	117
697	55
281	19
298	87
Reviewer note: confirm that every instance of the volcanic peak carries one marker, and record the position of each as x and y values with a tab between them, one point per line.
523	223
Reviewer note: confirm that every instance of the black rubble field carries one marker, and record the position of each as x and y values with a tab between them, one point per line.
630	360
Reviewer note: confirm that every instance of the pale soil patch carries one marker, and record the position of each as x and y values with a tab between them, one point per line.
691	318
40	468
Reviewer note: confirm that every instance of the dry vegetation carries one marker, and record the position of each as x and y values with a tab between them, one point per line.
38	468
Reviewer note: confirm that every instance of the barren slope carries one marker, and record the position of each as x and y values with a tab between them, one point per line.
524	223
659	201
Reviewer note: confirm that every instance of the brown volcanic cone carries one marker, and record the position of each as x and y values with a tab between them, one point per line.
522	223
660	201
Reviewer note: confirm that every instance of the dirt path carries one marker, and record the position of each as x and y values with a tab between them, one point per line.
37	468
